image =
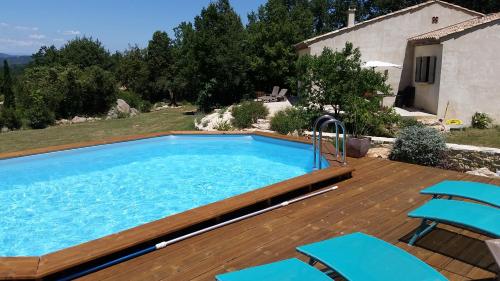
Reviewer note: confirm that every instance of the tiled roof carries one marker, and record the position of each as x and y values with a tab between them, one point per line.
443	33
307	42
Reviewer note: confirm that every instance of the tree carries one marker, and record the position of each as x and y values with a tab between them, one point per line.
99	90
6	90
185	83
159	60
85	52
334	77
272	33
46	56
219	49
338	80
133	72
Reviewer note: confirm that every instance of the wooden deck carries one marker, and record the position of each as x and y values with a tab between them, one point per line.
375	200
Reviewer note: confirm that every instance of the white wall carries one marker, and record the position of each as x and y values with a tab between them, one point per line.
386	40
470	74
427	95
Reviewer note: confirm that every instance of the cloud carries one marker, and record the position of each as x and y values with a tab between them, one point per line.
37	36
25	28
71	32
19	43
19	27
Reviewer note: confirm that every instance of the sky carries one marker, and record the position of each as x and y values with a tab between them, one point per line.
26	25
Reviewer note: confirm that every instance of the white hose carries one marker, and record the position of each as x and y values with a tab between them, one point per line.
283	204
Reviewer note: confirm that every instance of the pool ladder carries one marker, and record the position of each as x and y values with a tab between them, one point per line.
320	125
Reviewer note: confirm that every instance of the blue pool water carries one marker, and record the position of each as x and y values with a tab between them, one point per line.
52	201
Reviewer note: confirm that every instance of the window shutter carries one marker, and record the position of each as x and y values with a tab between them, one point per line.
424	69
418	64
432	70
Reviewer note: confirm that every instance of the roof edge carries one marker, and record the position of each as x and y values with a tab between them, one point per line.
304	44
421	39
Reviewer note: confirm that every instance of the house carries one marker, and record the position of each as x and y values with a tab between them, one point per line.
448	56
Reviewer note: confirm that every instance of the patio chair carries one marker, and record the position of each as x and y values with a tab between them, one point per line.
356	257
273	94
494	246
280	96
359	256
481	192
480	218
289	270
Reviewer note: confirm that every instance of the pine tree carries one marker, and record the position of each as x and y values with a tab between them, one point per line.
6	89
219	49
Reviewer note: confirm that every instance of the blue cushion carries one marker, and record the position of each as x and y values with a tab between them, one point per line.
362	257
285	270
476	216
482	192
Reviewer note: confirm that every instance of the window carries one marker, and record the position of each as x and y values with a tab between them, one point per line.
425	68
435	20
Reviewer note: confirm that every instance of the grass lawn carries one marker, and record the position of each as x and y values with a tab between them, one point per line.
486	137
165	120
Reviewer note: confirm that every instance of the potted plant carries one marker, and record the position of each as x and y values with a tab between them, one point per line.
357	117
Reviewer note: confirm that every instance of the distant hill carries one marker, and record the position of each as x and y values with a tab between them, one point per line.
15	60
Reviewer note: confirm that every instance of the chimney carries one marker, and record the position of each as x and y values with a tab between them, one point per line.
351	16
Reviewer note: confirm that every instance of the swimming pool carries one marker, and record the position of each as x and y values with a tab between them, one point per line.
56	200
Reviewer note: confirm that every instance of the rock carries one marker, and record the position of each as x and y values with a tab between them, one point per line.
159	106
379	152
5	130
262	124
122	106
211	121
134	112
112	114
63	122
78	119
483	172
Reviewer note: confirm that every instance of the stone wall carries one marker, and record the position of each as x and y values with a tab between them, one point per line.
463	158
468	160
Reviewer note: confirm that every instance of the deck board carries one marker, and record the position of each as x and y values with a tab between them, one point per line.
375	200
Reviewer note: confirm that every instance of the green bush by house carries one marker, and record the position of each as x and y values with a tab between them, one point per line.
481	120
419	145
290	120
247	113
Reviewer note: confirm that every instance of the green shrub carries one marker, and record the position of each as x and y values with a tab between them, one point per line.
290	120
409	122
39	116
122	115
247	113
146	106
133	99
481	120
419	145
365	117
223	125
10	118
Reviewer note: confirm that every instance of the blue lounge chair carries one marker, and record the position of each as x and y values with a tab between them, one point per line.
478	217
285	270
481	192
481	218
359	256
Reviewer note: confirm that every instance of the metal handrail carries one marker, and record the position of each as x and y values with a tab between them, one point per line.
337	151
325	121
314	142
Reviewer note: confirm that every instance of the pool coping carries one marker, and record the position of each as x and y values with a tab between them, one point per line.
36	268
